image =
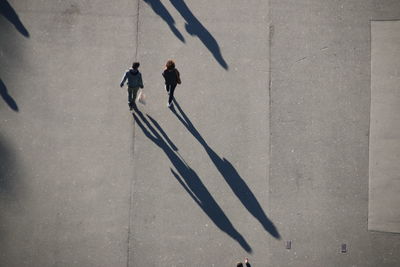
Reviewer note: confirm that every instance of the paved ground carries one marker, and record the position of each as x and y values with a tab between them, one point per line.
66	151
268	140
384	145
320	64
200	194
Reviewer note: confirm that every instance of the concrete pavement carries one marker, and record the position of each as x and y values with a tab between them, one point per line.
200	195
320	64
267	142
66	151
384	186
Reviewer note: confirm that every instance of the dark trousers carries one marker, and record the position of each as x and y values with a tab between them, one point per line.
171	89
132	92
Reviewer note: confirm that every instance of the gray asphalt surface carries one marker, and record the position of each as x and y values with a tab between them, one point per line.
267	142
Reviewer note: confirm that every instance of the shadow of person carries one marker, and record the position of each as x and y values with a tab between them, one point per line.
194	27
6	97
161	11
10	14
231	176
188	178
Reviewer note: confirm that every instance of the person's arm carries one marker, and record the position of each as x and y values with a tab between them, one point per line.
140	81
178	77
123	80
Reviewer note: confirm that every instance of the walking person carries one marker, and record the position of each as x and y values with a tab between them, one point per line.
135	82
172	78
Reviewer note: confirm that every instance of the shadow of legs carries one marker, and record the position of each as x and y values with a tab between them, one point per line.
189	179
6	97
231	176
194	27
161	11
10	14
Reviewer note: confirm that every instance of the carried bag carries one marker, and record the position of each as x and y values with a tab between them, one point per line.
142	97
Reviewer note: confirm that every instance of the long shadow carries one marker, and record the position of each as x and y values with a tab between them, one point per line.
160	10
189	179
6	97
10	14
194	27
231	176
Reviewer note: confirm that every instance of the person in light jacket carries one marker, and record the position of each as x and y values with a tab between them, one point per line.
135	82
172	78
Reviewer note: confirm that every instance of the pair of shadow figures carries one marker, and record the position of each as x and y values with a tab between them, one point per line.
192	183
192	25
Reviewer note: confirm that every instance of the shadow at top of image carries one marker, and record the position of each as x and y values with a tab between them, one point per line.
192	25
162	11
9	13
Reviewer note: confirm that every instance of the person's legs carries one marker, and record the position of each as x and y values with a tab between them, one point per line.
171	94
167	87
130	92
134	94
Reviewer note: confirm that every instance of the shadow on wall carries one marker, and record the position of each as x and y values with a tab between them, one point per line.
188	178
193	26
12	17
230	175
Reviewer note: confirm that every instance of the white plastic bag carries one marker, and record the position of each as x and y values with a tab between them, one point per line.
142	97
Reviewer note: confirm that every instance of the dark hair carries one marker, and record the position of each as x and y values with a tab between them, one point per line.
170	64
239	264
135	65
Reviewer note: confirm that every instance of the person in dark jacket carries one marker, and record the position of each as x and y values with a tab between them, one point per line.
172	78
135	82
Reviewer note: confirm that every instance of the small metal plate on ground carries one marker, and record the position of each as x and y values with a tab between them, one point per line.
289	244
344	248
